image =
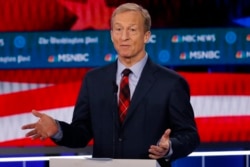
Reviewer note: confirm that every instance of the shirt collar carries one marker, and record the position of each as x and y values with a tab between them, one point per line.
136	68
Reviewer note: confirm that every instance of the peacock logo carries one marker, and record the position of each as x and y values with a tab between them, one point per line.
176	39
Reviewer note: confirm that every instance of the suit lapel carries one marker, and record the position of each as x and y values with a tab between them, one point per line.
110	85
144	84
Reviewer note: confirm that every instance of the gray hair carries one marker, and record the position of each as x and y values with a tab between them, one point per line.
133	7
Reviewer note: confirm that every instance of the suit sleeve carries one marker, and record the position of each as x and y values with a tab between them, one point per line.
184	135
79	132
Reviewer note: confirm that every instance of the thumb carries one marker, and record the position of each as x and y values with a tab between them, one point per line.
37	114
166	135
164	142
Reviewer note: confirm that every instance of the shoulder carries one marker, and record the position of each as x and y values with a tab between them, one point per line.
102	71
165	72
102	75
168	76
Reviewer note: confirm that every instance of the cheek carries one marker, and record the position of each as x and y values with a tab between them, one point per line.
115	43
115	38
140	44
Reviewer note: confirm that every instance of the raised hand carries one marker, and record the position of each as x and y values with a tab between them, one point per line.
45	127
162	148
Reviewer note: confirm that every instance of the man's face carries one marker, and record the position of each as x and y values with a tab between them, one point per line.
128	35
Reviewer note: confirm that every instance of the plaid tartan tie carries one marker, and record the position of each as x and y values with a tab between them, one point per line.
124	95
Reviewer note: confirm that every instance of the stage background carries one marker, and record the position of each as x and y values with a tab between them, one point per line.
46	48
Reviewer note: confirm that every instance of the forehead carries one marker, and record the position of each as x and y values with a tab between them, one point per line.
128	18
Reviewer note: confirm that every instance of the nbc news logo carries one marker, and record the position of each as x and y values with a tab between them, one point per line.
189	38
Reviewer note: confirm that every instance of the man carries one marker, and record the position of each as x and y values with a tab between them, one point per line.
158	122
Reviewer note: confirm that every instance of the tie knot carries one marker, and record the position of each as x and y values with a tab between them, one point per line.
126	72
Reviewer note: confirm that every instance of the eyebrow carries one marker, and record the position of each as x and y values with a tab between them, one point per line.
121	24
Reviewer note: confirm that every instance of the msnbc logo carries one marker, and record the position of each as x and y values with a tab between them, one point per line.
67	58
200	55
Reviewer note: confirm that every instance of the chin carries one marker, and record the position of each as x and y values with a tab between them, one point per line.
126	56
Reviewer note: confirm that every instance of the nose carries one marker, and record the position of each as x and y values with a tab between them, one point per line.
125	35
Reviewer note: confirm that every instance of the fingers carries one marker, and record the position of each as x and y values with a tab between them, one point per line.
38	136
156	152
37	114
36	129
29	126
32	125
36	133
162	148
31	133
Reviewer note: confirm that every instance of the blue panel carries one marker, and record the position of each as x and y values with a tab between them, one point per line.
225	161
218	46
25	164
11	164
243	21
188	162
37	164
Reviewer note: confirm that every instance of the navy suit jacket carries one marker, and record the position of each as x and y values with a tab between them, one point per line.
161	100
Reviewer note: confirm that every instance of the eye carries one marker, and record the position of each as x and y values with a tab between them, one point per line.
117	29
132	29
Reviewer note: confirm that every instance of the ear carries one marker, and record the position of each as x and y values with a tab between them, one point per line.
147	36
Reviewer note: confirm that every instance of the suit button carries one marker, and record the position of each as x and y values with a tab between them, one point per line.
120	139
